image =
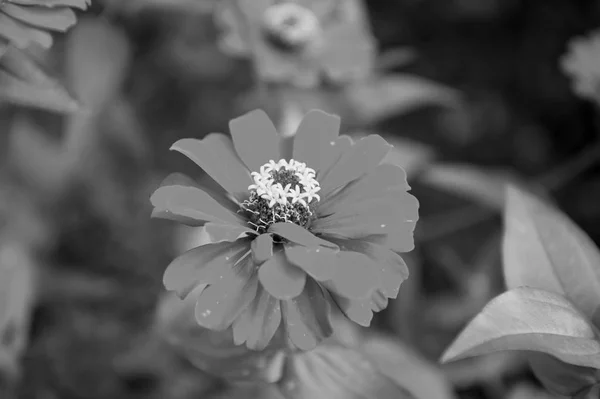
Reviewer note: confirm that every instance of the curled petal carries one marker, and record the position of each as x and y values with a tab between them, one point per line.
259	322
206	264
307	317
280	278
255	139
221	303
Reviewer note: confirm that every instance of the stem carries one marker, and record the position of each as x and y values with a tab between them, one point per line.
291	116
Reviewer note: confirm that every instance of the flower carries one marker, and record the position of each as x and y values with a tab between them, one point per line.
581	64
293	239
299	41
23	22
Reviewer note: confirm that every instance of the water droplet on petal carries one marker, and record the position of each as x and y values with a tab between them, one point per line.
332	142
382	226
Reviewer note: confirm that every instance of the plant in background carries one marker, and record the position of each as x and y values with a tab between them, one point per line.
299	42
551	308
25	24
580	63
317	229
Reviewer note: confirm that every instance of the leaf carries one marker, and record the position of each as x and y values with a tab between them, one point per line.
383	97
17	281
81	4
486	187
531	320
215	352
407	368
23	82
544	249
562	378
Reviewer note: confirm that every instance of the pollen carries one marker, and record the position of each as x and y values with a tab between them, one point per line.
282	192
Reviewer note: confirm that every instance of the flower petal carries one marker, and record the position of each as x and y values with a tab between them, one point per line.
299	235
220	304
225	232
280	278
316	132
191	203
392	269
383	180
400	240
361	158
262	248
21	35
259	322
384	215
332	153
203	265
319	262
216	155
255	139
356	276
307	317
358	310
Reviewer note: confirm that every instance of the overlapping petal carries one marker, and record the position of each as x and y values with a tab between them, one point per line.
357	161
319	262
259	322
299	235
190	205
216	155
356	275
222	302
332	153
226	232
206	264
262	248
315	134
280	278
255	139
383	180
307	317
378	216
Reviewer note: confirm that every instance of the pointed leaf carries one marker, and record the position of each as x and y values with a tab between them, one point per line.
530	320
544	249
81	4
397	94
59	19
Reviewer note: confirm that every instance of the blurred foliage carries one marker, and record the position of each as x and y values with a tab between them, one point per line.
74	189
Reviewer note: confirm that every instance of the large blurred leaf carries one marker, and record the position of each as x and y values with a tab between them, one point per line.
486	187
391	95
407	368
531	320
23	82
562	378
544	249
16	296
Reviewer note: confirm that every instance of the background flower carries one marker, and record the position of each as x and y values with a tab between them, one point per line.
23	22
581	63
299	41
260	271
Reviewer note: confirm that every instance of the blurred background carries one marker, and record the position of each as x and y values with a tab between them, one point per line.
470	92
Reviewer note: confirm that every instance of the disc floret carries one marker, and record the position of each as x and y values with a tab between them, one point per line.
282	192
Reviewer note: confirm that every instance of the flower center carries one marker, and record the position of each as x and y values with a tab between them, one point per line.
282	192
291	27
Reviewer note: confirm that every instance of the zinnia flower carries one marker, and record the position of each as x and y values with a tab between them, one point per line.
299	41
581	64
23	22
293	238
